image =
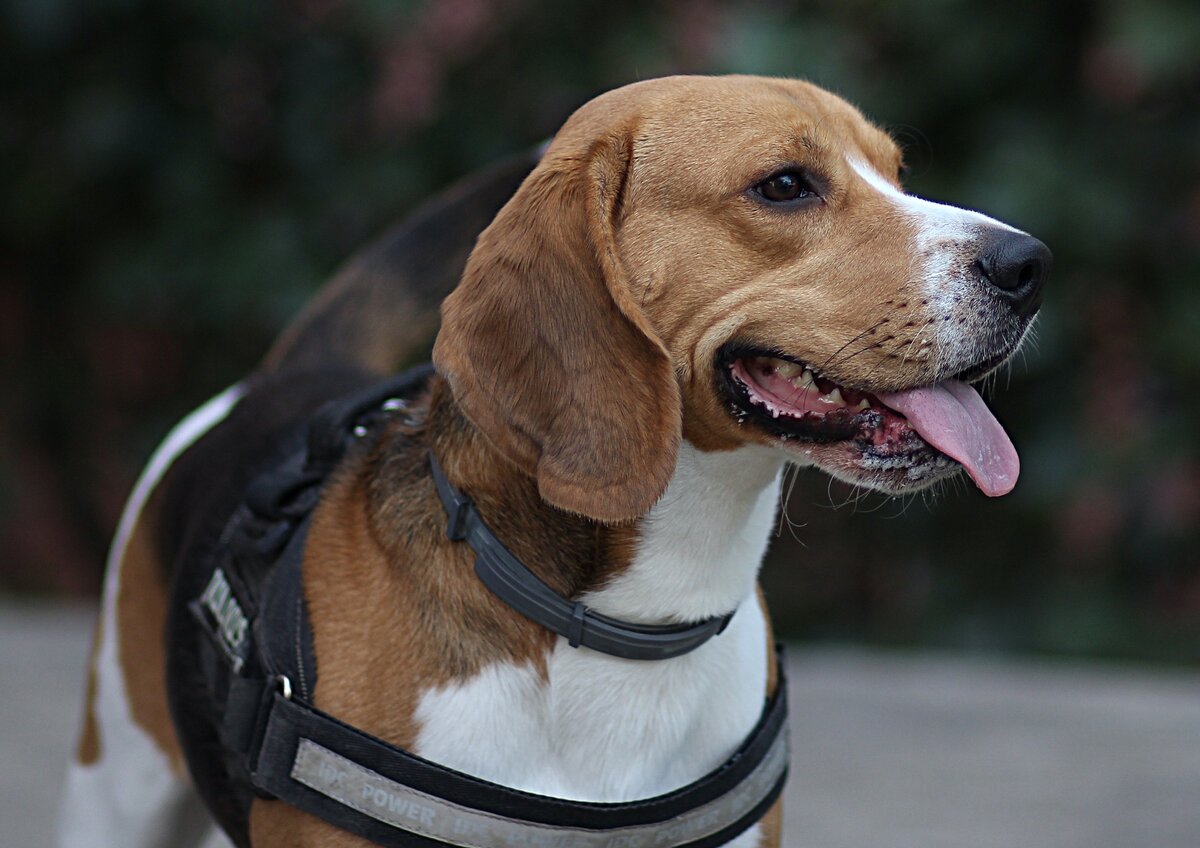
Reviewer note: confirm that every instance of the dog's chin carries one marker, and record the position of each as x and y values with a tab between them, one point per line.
848	433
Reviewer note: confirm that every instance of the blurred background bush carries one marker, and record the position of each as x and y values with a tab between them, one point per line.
179	176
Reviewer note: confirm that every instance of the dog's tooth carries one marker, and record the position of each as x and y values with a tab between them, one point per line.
862	404
804	381
786	369
834	397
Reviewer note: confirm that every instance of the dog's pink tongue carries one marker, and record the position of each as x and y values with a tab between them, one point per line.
953	418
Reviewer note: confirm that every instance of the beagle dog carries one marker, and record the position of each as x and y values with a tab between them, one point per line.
699	281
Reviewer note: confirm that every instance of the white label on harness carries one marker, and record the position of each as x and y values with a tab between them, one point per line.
231	621
405	808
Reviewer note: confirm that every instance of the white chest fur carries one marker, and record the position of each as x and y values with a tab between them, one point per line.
599	728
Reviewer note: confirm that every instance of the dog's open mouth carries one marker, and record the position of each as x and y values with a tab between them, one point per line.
895	441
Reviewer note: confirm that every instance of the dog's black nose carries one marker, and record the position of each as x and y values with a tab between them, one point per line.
1016	264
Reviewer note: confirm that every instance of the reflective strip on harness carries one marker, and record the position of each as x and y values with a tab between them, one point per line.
400	806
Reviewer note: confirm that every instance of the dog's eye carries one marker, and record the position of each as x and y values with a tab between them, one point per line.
785	187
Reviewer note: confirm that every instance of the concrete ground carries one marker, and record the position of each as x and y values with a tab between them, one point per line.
889	751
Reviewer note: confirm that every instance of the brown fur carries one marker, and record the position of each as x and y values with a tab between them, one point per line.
772	662
141	620
87	747
141	611
564	412
772	826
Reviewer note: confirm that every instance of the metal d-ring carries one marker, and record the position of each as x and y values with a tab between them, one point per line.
285	686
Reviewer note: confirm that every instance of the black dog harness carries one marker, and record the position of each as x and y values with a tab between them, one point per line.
261	673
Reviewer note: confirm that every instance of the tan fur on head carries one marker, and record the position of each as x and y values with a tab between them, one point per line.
546	348
583	338
620	265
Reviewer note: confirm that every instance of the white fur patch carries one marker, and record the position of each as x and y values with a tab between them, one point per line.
703	542
946	236
947	240
130	796
939	221
600	728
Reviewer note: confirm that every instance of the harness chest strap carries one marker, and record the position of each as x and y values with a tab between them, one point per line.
394	798
293	751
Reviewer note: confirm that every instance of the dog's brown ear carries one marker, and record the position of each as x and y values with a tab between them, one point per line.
548	352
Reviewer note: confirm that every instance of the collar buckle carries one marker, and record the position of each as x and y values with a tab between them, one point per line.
458	510
575	625
458	506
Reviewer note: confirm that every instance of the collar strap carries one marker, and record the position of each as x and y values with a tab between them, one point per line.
511	580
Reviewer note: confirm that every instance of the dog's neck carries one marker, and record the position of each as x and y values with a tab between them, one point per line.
700	547
576	723
570	553
694	555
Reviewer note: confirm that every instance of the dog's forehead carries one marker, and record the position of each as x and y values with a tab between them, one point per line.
738	126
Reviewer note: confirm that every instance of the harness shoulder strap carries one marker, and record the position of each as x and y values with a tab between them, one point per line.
253	610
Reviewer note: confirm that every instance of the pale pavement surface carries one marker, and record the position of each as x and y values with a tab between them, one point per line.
889	751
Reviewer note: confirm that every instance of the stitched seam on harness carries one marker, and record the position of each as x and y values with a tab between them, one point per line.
299	647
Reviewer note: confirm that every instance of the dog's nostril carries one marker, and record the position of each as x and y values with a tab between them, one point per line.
1029	272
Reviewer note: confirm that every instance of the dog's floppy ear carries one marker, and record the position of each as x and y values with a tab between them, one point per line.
548	352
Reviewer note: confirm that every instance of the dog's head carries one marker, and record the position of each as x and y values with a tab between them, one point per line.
733	260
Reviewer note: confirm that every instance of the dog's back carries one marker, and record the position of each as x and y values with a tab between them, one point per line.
377	314
381	310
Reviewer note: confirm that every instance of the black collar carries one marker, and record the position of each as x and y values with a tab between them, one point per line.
513	582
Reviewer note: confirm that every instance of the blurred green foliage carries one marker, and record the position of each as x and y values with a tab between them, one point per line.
181	175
